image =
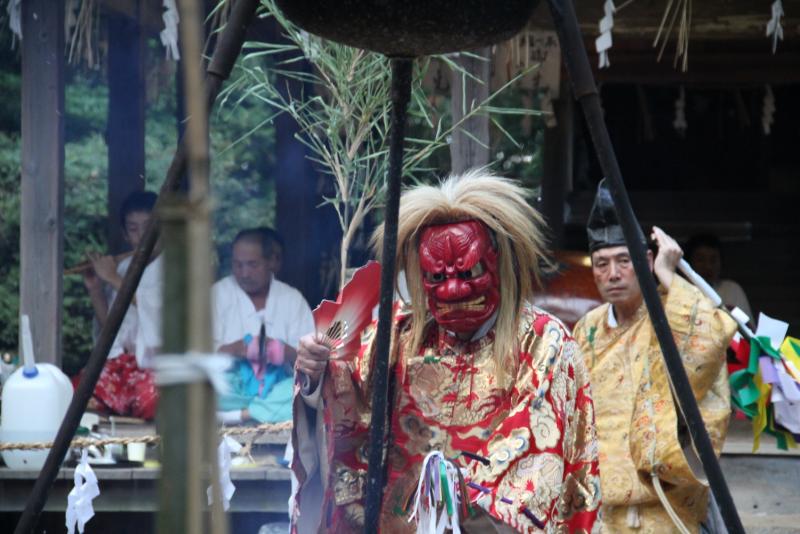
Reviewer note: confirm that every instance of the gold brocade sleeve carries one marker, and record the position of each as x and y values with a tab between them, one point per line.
701	333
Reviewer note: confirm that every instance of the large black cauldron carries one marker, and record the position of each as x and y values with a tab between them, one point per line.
409	28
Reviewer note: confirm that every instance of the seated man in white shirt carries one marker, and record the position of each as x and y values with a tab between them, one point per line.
261	319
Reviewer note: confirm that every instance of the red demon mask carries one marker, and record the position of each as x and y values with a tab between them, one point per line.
459	269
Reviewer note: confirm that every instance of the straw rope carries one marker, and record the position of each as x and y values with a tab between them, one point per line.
265	428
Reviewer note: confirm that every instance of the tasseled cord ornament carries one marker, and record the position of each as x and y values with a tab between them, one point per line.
442	490
441	496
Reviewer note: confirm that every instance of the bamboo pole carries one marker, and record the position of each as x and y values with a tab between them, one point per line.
188	452
225	54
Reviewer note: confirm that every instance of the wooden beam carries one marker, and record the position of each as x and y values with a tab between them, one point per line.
704	69
125	129
41	226
465	151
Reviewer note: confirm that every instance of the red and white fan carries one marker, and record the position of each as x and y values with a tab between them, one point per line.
339	324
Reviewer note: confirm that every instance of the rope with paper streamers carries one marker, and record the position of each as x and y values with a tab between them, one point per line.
262	429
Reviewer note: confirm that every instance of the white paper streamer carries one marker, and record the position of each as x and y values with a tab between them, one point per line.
768	111
227	447
14	10
774	27
787	412
679	123
171	369
772	328
603	43
169	35
79	500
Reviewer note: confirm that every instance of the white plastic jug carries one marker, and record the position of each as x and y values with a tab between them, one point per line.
35	399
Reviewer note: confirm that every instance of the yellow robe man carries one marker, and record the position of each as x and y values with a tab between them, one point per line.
637	423
650	477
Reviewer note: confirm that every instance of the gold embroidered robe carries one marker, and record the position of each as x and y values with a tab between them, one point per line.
537	431
637	423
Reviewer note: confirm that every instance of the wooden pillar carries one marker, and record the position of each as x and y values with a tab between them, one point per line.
297	218
41	225
465	151
125	129
557	165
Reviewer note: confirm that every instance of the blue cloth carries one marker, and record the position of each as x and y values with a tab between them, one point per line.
273	405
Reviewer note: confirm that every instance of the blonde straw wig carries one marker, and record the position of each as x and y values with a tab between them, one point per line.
516	228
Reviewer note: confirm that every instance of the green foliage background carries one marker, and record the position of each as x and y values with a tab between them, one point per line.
241	181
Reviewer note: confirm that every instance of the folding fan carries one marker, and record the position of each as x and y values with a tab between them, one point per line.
339	324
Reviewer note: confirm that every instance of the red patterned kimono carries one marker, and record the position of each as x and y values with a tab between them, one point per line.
537	430
124	388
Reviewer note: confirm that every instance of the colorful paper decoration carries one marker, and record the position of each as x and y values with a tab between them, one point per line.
765	386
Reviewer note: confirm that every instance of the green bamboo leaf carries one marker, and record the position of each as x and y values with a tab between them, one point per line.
512	111
505	133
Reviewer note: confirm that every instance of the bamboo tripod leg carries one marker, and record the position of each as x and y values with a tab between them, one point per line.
401	93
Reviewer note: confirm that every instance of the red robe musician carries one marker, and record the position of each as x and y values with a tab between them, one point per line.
496	385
